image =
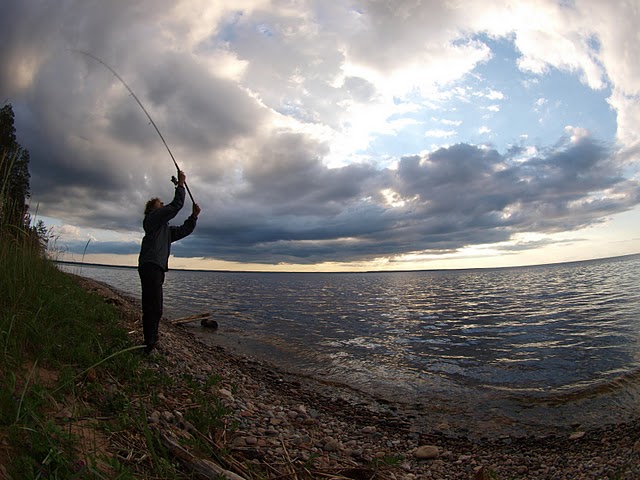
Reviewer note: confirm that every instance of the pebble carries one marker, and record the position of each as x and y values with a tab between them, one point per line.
331	446
427	452
154	417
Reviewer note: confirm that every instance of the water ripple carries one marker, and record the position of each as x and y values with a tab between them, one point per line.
548	344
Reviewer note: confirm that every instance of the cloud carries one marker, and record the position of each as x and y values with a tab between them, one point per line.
495	95
454	197
439	133
282	117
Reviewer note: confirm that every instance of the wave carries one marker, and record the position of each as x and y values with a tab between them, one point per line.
628	382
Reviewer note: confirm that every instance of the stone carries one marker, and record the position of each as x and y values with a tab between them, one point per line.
331	446
427	452
168	416
226	393
239	442
65	413
577	435
209	323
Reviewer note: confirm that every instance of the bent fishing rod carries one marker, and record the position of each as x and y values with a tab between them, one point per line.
173	179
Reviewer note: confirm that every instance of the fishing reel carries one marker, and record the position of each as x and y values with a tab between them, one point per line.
174	180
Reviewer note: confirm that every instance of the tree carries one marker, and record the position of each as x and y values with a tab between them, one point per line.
14	173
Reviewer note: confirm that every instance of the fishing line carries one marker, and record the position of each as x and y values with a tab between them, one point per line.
173	179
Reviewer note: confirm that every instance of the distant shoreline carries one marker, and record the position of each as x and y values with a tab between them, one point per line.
540	265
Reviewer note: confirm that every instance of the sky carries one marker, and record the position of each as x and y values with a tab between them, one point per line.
327	135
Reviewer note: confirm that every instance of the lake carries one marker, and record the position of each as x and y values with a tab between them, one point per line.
506	351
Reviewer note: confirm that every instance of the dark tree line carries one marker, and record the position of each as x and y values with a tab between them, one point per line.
14	181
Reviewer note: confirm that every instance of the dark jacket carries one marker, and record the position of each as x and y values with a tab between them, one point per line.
158	234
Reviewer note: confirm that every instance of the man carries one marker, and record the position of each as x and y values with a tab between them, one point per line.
153	261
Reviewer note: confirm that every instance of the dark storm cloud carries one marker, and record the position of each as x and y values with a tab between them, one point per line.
455	197
85	247
294	209
284	170
202	111
93	152
535	244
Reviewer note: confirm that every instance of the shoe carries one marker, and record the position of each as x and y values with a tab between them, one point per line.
150	347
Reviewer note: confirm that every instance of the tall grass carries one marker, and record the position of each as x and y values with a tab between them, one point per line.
47	323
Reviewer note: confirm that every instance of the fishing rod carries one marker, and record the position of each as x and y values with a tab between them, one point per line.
173	179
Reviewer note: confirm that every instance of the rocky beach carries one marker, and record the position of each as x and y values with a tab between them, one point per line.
279	425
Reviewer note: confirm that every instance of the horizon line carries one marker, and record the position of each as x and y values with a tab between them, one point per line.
92	264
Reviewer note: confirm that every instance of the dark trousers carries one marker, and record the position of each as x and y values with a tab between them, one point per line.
151	279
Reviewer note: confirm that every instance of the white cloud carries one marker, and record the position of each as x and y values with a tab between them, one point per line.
495	95
438	133
68	231
576	133
628	109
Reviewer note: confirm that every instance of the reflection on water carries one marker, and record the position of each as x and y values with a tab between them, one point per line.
552	345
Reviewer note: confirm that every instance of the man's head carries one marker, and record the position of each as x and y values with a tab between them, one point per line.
152	205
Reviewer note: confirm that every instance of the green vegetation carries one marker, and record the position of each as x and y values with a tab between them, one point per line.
71	379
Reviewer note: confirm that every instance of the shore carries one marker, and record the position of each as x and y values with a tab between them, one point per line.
278	425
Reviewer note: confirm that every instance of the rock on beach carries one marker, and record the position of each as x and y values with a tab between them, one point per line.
427	452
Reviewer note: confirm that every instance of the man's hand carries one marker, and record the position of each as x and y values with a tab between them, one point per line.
195	211
181	178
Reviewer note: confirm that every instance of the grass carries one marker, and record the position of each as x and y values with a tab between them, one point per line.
48	324
71	378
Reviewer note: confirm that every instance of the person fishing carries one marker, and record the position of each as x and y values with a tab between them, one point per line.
153	261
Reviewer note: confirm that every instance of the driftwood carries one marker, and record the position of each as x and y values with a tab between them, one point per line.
201	467
190	318
205	321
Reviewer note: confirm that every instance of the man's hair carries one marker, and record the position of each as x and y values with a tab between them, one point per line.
150	206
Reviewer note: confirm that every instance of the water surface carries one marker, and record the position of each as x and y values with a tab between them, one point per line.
511	350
